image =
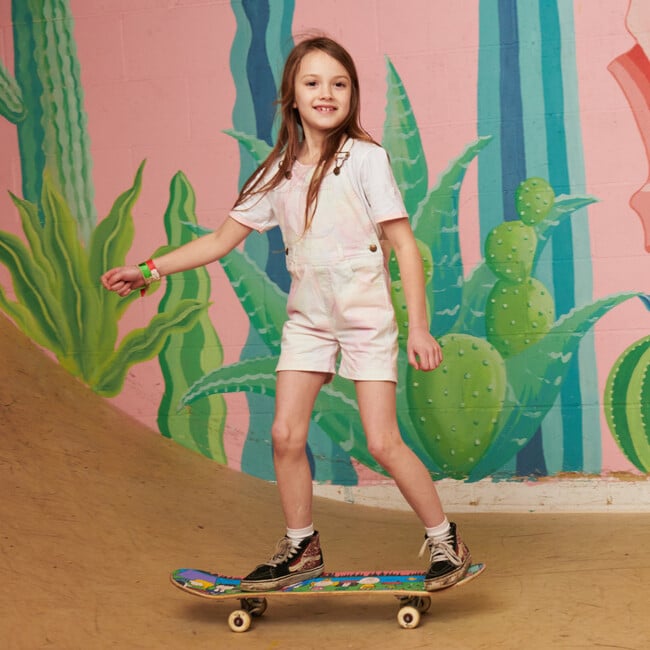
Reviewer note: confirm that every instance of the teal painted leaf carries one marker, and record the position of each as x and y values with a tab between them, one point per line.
562	209
401	139
436	224
196	228
258	149
335	411
440	206
476	289
263	301
250	376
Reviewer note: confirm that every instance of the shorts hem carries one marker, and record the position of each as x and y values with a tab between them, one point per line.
290	367
381	377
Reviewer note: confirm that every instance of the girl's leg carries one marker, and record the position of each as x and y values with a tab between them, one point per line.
296	393
298	555
449	556
377	406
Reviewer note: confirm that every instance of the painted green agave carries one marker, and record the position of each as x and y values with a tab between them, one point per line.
59	302
506	354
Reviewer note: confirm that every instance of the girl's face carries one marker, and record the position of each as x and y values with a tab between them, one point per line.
322	93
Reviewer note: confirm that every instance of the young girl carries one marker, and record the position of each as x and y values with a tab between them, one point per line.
330	188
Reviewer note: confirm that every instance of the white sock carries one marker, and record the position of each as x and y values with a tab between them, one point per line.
440	530
296	535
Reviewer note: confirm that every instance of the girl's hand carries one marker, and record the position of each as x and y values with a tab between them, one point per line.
424	352
123	280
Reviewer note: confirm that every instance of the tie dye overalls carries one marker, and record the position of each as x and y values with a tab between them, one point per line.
339	302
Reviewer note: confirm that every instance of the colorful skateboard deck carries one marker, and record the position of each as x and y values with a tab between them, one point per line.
407	586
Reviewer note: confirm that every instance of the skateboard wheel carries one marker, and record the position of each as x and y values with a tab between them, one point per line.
239	620
254	606
408	617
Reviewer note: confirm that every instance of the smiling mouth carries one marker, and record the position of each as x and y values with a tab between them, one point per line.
325	109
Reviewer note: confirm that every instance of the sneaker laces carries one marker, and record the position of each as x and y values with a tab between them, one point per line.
441	549
283	551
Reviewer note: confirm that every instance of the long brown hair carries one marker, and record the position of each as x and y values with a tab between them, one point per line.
289	134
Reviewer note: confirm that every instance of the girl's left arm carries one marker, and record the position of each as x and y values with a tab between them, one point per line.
423	350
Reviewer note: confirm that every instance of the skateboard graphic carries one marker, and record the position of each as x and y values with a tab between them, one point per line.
407	586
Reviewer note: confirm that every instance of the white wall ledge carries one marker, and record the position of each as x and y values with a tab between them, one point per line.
625	493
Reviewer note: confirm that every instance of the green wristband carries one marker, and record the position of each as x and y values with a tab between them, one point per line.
146	273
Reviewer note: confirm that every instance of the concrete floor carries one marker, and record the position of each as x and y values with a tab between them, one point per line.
96	511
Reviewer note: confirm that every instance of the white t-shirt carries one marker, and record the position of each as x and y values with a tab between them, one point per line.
351	205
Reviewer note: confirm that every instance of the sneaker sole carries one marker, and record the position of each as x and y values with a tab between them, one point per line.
284	581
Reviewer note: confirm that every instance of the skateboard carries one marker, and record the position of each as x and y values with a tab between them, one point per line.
407	586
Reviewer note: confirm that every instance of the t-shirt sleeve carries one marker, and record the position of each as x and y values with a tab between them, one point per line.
256	212
380	188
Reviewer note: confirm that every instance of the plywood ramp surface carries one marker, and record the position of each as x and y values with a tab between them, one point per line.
96	510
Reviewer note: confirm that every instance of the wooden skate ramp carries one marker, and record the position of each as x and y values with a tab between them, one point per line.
96	510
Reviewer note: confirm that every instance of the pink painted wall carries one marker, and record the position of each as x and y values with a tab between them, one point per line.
158	85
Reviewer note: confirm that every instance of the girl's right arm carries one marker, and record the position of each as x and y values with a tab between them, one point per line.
198	252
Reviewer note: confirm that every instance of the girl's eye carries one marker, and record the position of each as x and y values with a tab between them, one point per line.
311	83
341	84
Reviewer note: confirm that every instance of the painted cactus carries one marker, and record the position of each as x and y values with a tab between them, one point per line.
44	98
503	302
469	421
59	302
520	310
627	403
456	409
518	314
186	355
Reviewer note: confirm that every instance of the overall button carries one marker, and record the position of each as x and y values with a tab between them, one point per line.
372	248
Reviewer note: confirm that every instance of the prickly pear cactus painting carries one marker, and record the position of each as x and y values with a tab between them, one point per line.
455	410
520	309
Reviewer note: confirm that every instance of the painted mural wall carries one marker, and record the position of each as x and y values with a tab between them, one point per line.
519	133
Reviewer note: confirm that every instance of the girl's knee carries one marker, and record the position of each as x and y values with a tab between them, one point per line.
385	449
287	440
